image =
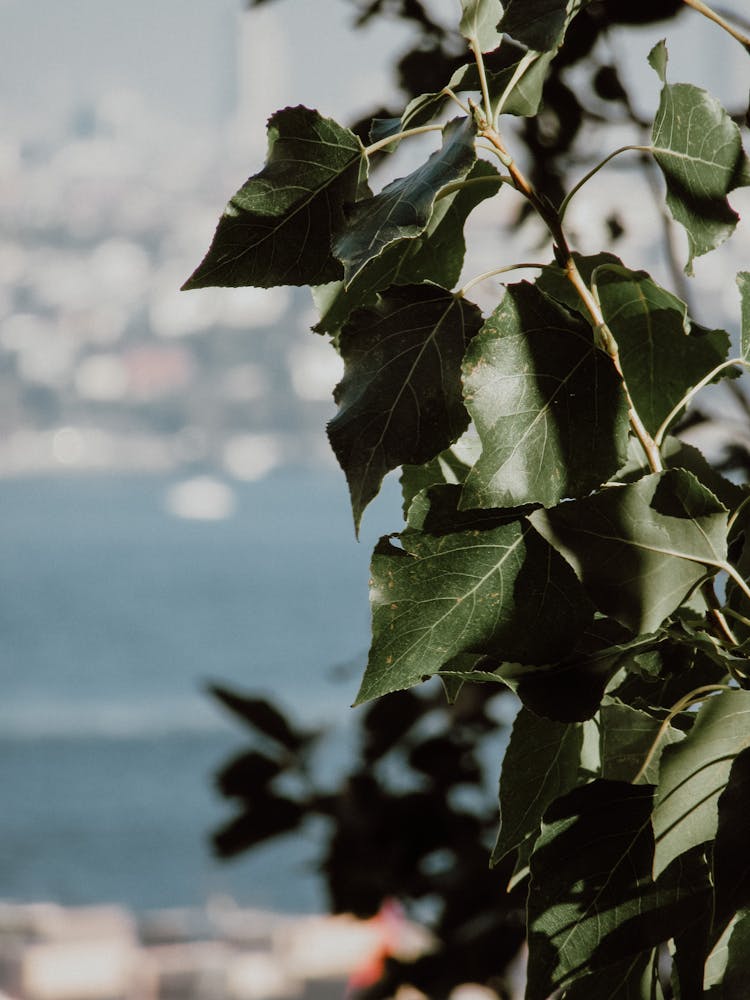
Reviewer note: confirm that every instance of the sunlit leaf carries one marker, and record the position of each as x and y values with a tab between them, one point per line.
592	901
502	592
728	962
641	549
277	229
693	774
399	400
402	210
479	21
547	404
699	150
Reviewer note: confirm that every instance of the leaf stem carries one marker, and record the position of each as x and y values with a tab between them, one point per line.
477	53
449	93
595	170
688	700
498	270
397	136
497	180
704	9
660	434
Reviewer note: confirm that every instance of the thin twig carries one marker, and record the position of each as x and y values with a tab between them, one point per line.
397	136
691	698
498	270
577	187
704	9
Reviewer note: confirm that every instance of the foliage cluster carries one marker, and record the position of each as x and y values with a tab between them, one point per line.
560	539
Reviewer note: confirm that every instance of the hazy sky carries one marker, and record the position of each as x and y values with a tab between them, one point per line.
182	54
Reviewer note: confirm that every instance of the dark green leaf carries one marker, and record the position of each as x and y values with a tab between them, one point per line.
592	900
693	774
743	281
501	592
640	550
541	762
244	775
731	857
627	736
479	20
539	24
589	872
403	208
547	404
261	716
677	454
278	227
436	511
635	978
661	356
727	965
699	150
450	466
269	816
437	255
399	400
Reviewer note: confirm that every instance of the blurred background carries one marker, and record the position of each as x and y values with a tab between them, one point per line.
171	513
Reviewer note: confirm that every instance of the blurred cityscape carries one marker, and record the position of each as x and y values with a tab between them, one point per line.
104	363
107	203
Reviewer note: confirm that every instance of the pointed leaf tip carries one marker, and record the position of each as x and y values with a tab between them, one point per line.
658	58
277	228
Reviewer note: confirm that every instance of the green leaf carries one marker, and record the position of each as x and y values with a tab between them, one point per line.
539	24
635	978
727	965
699	150
640	550
541	762
661	356
501	592
658	58
403	208
731	859
547	404
627	736
693	774
437	255
677	454
277	229
399	400
479	21
571	689
450	466
743	281
590	871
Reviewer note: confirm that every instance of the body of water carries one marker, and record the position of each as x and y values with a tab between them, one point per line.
114	616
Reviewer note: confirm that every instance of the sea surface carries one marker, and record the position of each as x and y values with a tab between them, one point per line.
114	615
